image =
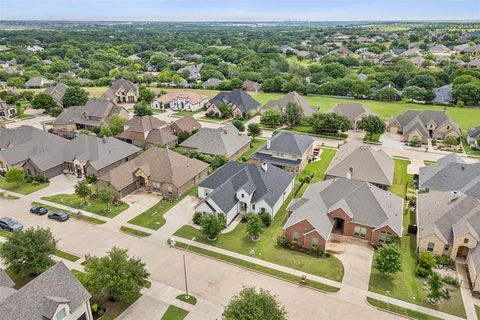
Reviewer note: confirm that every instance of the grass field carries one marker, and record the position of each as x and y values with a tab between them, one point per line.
22	187
174	313
400	178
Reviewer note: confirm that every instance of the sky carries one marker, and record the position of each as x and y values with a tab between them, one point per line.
239	10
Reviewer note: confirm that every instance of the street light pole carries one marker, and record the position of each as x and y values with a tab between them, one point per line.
186	282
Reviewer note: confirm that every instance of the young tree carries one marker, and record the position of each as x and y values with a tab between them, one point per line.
113	126
272	117
239	125
106	196
388	259
293	114
43	101
372	124
14	175
250	304
254	226
211	225
27	252
75	96
146	95
218	161
141	109
225	110
435	286
254	130
83	190
116	276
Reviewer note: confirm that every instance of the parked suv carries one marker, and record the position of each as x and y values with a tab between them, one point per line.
39	210
10	224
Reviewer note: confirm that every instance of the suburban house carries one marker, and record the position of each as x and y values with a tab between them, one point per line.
55	294
225	141
443	94
451	173
294	97
286	150
157	170
148	130
252	86
38	82
122	91
354	112
357	161
473	137
449	224
57	92
212	83
345	207
180	100
186	124
193	71
83	156
89	117
7	111
423	125
241	188
241	104
20	144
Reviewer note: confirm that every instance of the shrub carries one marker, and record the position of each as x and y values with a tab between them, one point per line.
320	251
197	218
223	219
450	141
415	142
266	218
91	179
422	272
282	241
328	254
101	312
426	260
450	280
94	307
444	260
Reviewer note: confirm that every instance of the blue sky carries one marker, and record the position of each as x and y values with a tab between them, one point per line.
239	10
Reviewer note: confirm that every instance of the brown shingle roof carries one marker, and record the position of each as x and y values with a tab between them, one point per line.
191	97
187	124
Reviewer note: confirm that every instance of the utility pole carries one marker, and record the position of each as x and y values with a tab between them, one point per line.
186	282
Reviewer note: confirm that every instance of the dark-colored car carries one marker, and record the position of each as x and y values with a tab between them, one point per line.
39	210
10	224
58	215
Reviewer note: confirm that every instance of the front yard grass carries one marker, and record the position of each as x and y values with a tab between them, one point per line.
66	255
72	214
468	149
401	180
174	313
22	187
20	281
319	167
8	197
94	205
214	120
254	146
191	299
185	113
477	309
134	232
153	217
400	310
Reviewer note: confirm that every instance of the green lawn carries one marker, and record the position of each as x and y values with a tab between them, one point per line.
174	313
214	120
255	267
254	146
134	232
400	310
185	113
153	217
93	206
469	150
319	167
400	177
9	196
4	233
72	214
22	187
66	255
191	299
115	309
20	281
477	309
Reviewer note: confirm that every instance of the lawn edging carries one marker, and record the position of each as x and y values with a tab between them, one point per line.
318	286
389	307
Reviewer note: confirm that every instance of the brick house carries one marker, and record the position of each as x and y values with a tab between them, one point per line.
347	207
122	91
147	131
240	103
354	112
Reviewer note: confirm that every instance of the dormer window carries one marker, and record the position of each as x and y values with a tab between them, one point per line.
243	196
465	241
448	127
61	314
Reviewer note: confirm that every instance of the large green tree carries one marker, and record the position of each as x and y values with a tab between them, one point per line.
43	101
106	195
293	114
142	109
75	96
113	126
329	122
435	285
83	190
254	130
211	225
28	252
116	276
372	124
14	175
272	117
254	226
388	259
252	305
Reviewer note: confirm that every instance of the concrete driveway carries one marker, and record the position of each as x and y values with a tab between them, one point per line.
178	216
356	256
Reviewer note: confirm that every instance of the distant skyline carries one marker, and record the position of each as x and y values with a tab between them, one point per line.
239	10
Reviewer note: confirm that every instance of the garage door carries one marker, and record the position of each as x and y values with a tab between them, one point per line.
393	130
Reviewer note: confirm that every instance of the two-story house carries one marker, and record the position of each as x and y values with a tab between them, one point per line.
288	151
240	103
122	91
180	100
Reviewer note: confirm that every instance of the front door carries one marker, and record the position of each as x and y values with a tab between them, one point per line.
339	224
462	252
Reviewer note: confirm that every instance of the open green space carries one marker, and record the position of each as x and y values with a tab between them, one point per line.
255	267
174	313
191	299
153	217
214	120
134	232
254	146
400	310
66	255
72	214
21	187
94	205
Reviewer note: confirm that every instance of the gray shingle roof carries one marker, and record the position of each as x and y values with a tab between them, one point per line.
451	173
443	94
40	298
267	185
281	104
364	203
126	85
475	133
57	92
287	142
237	97
368	164
226	141
38	82
5	280
352	111
412	119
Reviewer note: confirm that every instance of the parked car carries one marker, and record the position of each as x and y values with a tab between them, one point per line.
10	224
58	215
39	210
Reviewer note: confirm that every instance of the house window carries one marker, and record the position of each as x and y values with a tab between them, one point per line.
169	190
61	314
156	186
430	246
465	240
242	195
448	127
253	206
360	232
295	236
262	210
385	237
446	247
29	172
314	242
